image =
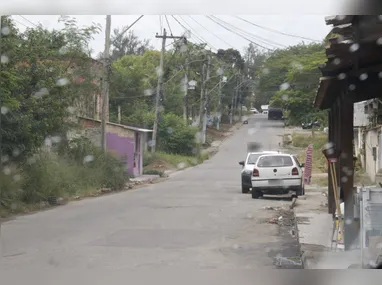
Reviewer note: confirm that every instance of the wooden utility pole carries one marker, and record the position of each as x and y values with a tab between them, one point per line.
203	80
119	114
105	79
219	103
241	99
206	103
160	86
185	99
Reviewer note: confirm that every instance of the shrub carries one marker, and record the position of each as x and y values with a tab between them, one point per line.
78	166
175	136
9	185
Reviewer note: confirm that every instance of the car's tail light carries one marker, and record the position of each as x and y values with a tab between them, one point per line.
256	172
295	171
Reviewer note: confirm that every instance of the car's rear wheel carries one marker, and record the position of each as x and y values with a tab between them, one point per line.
300	191
256	194
244	189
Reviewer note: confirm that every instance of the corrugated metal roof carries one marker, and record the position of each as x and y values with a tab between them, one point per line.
142	130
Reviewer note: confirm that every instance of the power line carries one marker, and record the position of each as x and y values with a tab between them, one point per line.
210	31
228	29
275	31
20	23
258	38
28	20
168	24
126	29
186	28
211	46
160	22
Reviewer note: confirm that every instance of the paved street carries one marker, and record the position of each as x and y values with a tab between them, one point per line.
197	219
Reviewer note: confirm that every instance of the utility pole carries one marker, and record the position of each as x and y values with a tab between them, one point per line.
160	86
105	95
240	100
202	94
231	109
219	103
185	99
206	103
119	114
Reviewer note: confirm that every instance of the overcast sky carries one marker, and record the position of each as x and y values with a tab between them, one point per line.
202	28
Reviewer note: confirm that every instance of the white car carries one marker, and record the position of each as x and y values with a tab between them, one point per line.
277	174
248	165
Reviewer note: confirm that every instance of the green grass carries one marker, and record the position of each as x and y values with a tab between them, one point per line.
178	161
318	140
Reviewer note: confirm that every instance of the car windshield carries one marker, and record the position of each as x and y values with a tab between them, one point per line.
275	161
253	157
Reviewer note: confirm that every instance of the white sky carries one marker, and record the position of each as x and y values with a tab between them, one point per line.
310	26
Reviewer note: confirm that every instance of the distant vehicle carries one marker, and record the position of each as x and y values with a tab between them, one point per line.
248	165
277	174
265	112
275	114
310	125
245	122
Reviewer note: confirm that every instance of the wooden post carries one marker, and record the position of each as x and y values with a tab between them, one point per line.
347	167
331	140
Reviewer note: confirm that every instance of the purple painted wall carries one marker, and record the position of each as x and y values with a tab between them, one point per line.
122	146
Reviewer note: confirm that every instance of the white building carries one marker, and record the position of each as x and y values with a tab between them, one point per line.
368	137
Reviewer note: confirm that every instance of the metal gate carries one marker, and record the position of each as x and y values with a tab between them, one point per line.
370	201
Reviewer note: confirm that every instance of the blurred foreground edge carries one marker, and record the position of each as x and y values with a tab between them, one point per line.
253	147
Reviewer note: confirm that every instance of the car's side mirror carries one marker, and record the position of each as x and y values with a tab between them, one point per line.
302	165
241	163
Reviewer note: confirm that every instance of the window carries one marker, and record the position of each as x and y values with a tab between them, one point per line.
275	161
252	159
296	160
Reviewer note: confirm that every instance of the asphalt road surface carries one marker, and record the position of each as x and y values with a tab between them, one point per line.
197	219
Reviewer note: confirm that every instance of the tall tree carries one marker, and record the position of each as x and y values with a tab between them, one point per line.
44	73
127	44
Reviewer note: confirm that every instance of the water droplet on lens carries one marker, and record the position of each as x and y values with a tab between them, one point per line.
4	59
7	170
62	81
351	87
354	47
5	30
4	110
363	76
337	61
284	86
88	158
341	76
181	165
16	152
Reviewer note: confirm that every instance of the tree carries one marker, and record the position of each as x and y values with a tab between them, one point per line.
297	91
45	73
127	44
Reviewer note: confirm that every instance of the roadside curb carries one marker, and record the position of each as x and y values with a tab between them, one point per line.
301	253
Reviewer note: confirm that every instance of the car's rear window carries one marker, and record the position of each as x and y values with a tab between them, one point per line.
252	159
275	161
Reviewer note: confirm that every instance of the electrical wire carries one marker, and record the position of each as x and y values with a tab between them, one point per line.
258	38
127	28
168	24
276	31
201	41
28	20
259	45
210	32
160	23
